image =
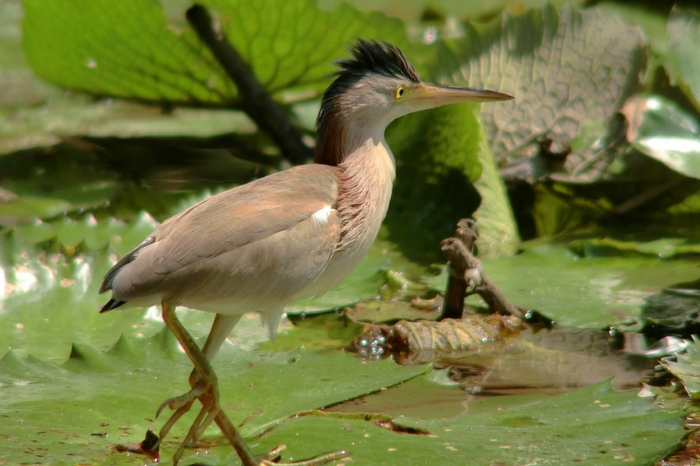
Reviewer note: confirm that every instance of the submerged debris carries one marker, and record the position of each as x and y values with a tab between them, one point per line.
417	342
149	446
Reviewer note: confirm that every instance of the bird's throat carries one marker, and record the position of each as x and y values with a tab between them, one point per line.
366	178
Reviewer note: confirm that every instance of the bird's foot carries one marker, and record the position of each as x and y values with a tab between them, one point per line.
186	399
272	458
208	394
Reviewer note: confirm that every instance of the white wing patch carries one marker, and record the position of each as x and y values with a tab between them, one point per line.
321	217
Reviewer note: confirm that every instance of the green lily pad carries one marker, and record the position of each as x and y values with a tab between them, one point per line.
595	426
660	129
115	393
587	292
82	408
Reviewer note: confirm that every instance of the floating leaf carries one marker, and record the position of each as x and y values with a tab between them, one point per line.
26	208
569	70
593	426
115	394
587	292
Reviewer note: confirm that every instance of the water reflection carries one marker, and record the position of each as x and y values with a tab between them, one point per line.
542	360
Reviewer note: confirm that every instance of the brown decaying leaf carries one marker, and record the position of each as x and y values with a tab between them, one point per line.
418	342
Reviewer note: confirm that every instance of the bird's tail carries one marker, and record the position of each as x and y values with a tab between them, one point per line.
111	304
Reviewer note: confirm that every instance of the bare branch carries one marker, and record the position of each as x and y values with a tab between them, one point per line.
464	268
255	99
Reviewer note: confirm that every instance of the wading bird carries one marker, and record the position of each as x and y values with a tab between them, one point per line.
291	235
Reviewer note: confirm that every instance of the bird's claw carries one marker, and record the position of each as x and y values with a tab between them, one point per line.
178	402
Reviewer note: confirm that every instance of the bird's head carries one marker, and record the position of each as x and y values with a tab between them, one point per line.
375	87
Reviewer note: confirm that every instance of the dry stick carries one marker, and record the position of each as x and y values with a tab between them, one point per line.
457	251
453	305
255	99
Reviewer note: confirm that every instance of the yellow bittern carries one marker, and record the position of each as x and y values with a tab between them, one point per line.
291	235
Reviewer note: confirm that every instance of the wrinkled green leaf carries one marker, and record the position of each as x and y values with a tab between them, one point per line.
569	70
587	292
683	31
660	129
128	49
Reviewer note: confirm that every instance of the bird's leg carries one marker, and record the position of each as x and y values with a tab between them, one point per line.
205	387
220	329
209	394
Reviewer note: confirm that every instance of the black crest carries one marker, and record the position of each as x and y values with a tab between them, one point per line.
377	57
367	57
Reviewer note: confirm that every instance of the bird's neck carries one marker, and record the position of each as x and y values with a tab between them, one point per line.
367	173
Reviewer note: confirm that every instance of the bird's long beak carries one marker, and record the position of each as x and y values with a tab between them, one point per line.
428	95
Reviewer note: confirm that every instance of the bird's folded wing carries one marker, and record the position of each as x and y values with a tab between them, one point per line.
281	228
247	214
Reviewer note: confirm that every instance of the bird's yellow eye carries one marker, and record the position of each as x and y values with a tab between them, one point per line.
399	92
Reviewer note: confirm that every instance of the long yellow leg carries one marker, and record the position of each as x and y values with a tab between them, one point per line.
220	329
205	388
208	394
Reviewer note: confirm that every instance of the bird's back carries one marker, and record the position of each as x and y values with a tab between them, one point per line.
254	247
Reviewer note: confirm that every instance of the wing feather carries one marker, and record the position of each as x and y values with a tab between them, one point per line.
225	248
